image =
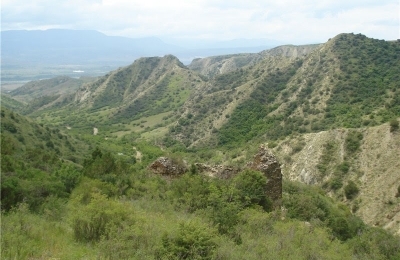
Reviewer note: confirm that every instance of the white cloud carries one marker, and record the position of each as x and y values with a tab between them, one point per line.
290	21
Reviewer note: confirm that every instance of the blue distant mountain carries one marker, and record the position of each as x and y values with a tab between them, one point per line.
37	54
58	46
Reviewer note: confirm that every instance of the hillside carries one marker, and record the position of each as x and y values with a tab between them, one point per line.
122	99
351	81
34	161
57	86
215	65
333	159
327	88
287	96
110	206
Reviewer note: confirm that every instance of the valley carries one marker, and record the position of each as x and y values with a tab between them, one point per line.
76	155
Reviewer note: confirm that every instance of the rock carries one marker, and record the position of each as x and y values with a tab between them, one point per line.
265	162
168	166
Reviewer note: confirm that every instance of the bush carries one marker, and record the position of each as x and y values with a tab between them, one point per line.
375	243
353	141
250	187
94	220
351	190
336	183
190	192
309	204
193	241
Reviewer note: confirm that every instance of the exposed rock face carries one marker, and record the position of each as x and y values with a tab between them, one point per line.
167	166
265	162
219	171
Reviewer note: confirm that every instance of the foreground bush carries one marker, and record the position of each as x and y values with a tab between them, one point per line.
192	241
93	217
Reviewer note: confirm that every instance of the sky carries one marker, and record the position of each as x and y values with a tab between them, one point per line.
295	22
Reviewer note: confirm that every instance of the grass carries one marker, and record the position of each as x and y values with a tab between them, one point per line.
29	236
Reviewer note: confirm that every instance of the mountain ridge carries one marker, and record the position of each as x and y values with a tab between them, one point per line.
287	99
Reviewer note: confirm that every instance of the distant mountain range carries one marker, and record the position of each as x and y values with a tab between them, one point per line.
58	46
58	51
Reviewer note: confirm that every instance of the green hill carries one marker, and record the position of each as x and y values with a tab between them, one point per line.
31	156
326	110
350	81
48	87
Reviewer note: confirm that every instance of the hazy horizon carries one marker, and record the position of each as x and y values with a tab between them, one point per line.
302	22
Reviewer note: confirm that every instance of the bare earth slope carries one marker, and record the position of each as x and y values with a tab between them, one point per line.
375	169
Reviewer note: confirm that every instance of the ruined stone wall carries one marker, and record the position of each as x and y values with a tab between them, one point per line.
265	162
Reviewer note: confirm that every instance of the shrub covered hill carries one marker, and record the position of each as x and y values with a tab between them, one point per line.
329	112
48	87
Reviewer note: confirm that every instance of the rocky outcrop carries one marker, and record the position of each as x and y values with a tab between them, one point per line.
265	162
218	171
169	167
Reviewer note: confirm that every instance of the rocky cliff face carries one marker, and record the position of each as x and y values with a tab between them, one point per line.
265	162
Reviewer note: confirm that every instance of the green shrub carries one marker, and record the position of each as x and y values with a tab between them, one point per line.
250	187
193	241
351	190
344	167
69	176
190	192
336	183
309	204
223	208
93	220
353	141
375	243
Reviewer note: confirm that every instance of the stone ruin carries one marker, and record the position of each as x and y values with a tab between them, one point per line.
217	171
168	167
264	161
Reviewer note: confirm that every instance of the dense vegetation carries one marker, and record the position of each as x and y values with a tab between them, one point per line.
70	194
365	92
112	207
249	118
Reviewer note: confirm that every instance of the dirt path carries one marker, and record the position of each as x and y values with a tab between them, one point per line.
95	131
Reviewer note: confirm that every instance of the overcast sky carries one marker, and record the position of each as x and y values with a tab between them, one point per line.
297	22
